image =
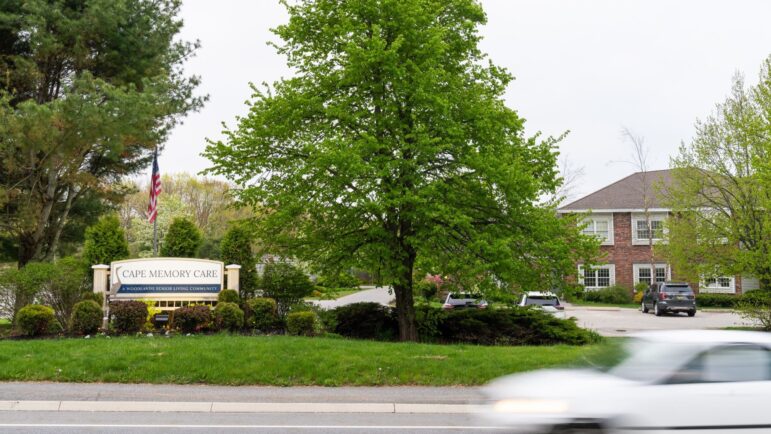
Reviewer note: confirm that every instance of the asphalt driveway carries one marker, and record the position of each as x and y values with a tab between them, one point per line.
622	321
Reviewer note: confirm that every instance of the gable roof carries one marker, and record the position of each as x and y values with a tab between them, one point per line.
626	194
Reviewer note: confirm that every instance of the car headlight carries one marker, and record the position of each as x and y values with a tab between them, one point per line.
530	406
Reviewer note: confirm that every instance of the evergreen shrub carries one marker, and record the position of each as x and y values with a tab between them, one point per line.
86	317
228	316
36	320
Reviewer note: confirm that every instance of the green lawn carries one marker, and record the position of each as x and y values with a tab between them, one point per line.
271	360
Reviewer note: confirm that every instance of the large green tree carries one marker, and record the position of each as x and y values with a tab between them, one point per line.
721	192
88	88
392	149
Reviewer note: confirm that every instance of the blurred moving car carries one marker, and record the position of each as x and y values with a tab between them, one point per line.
694	381
546	301
669	297
456	300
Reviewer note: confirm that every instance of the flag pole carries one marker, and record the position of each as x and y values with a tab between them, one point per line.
155	237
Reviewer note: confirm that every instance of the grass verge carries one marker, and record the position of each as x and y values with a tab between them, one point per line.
270	360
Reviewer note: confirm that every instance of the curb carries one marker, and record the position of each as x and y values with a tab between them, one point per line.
236	407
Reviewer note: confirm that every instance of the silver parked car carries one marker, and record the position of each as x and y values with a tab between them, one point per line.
546	301
457	300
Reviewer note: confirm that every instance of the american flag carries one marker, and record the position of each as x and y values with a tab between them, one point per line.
155	190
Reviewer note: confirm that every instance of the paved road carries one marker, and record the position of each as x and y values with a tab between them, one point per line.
622	321
375	294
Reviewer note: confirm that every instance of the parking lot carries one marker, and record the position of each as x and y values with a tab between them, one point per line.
622	321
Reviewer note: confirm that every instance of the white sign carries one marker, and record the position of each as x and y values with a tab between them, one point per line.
166	276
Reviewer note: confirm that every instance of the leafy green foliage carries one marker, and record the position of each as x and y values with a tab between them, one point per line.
236	248
94	296
90	89
182	240
392	149
18	287
190	319
128	316
67	279
228	316
756	306
86	317
58	285
301	323
263	314
105	242
36	320
722	189
366	321
229	296
285	283
613	295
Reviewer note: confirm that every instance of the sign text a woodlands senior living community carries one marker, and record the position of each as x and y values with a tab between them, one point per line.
167	276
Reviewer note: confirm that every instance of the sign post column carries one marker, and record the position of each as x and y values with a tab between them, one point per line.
101	272
233	271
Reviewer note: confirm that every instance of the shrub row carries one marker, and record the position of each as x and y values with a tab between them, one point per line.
612	295
514	326
717	300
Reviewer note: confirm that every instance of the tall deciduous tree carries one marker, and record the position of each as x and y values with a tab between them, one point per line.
392	147
721	192
88	88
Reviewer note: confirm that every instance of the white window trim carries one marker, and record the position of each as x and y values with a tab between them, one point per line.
611	267
636	241
636	270
591	218
718	289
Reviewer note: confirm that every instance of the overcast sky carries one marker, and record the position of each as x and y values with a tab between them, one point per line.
591	67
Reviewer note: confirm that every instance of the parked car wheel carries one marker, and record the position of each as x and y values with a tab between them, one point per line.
643	307
656	310
570	429
691	313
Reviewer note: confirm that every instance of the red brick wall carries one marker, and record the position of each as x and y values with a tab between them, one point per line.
622	253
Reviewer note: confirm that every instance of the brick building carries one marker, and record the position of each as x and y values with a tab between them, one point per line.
615	214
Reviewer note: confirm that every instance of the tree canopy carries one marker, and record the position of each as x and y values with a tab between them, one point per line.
721	190
392	150
88	89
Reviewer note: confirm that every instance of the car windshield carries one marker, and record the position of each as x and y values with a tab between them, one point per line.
684	289
464	296
541	300
646	360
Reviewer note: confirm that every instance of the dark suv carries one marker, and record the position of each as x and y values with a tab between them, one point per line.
669	297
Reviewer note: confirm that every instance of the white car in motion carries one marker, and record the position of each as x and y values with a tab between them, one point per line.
694	381
546	301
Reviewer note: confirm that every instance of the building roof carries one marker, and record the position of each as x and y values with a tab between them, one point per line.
626	194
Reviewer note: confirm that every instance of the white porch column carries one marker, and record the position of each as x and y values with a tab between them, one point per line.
233	272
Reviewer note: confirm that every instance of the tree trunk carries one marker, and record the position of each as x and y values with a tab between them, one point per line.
26	249
405	312
405	303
